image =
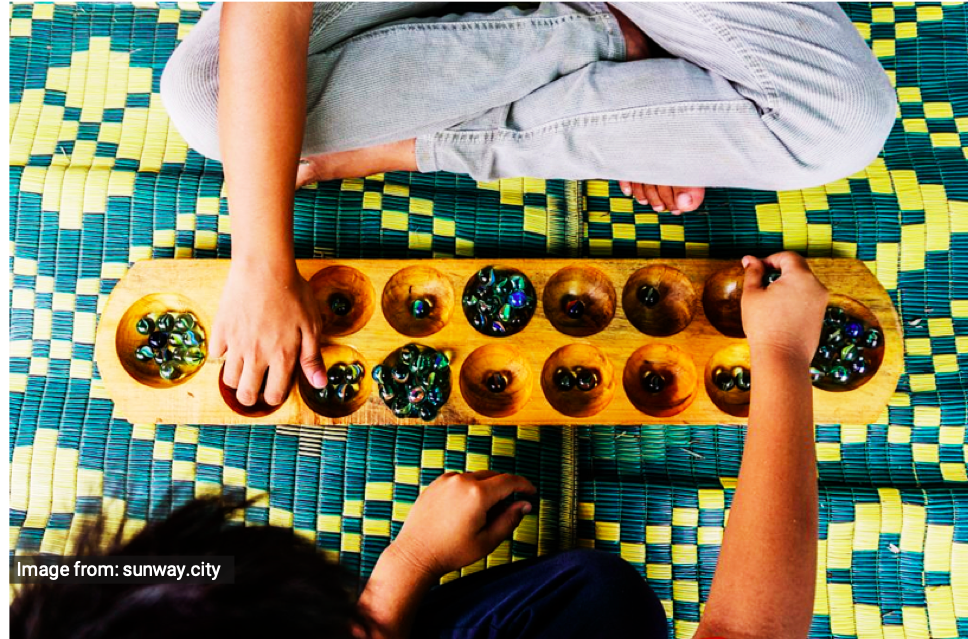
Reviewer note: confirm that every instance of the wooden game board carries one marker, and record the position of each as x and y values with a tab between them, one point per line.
695	328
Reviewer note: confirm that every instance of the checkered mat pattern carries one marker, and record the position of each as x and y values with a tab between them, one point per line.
99	179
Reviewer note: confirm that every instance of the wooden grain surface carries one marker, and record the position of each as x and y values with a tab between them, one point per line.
199	401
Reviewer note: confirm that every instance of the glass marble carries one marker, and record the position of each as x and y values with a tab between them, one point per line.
323	393
157	340
647	295
840	373
486	276
849	352
408	353
416	395
169	371
835	337
176	338
771	277
498	328
403	410
834	316
469	299
436	397
420	309
519	282
653	382
387	393
185	322
816	374
741	377
441	361
505	313
346	392
144	354
586	379
723	380
861	366
145	325
190	338
358	372
563	379
826	352
497	382
518	299
853	330
193	356
872	338
166	322
336	375
400	373
340	304
574	308
427	412
377	373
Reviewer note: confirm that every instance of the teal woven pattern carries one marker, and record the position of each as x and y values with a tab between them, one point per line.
100	179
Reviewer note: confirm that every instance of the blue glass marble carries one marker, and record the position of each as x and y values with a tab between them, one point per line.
860	366
853	330
840	373
190	338
518	299
377	373
497	328
144	354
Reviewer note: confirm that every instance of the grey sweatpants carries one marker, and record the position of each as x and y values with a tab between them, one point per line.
764	95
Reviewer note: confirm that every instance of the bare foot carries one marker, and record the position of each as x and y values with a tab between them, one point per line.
675	199
395	156
636	42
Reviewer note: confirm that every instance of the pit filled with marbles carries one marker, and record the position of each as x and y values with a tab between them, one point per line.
499	302
850	350
174	343
414	381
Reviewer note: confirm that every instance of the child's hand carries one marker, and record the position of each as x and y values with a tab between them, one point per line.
267	319
787	315
449	525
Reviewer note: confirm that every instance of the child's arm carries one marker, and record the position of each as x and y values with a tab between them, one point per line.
766	575
447	528
267	317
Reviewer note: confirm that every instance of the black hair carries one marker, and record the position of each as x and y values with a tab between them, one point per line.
283	587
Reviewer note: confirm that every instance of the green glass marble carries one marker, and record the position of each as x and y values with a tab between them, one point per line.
358	372
849	352
505	313
653	382
817	374
835	337
166	322
145	325
872	338
723	380
185	322
193	356
144	354
741	377
840	373
177	339
169	371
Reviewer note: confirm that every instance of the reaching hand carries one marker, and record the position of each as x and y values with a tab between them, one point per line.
267	319
455	521
787	315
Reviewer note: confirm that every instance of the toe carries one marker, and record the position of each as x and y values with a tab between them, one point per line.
652	193
626	187
306	173
688	198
